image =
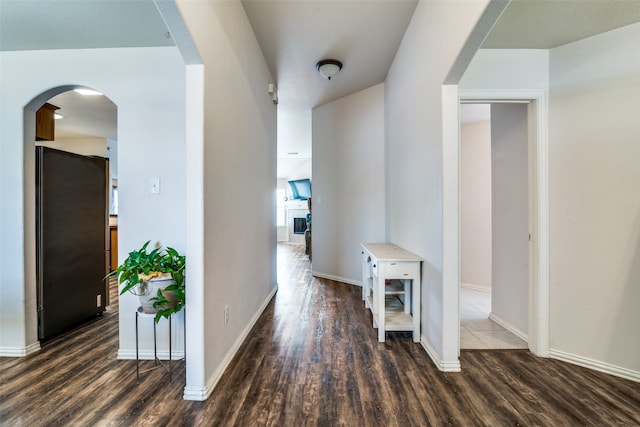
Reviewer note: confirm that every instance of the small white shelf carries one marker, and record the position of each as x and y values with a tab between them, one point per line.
395	317
391	288
396	287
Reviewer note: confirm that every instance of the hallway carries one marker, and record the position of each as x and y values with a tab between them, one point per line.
477	330
311	360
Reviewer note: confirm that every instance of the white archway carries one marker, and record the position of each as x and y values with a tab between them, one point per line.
29	224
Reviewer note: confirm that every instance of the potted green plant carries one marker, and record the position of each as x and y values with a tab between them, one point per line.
157	277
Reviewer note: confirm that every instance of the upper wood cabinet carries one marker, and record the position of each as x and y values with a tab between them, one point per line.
45	122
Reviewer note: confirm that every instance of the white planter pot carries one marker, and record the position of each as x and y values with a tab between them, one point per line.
149	289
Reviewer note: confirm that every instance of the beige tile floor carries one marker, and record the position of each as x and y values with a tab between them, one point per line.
477	331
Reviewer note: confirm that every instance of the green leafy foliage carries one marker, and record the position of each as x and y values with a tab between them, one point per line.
142	265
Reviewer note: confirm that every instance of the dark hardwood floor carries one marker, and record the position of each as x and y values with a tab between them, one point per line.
312	360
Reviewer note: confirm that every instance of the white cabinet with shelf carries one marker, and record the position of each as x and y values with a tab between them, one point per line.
391	288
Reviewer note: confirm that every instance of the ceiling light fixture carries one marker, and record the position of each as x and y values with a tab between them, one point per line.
57	116
329	68
88	92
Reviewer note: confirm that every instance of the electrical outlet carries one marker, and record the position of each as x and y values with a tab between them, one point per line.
226	314
154	185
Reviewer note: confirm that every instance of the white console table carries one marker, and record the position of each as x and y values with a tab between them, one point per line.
391	288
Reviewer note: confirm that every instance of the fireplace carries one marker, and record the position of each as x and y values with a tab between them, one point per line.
297	212
299	225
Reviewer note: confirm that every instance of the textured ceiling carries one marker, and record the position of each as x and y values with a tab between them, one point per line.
80	24
545	24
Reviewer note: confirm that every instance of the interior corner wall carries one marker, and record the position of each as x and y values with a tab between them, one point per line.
594	201
283	231
414	157
475	204
348	184
239	182
147	85
510	214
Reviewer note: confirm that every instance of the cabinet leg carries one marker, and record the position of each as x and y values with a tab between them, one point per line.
415	309
382	305
137	353
407	296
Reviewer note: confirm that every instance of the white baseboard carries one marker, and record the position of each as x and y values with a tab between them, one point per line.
596	365
442	365
201	394
486	288
509	327
336	278
197	394
19	351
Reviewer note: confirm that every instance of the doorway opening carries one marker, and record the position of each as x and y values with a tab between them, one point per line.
494	213
73	169
535	239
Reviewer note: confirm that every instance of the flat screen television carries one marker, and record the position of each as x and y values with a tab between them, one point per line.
300	189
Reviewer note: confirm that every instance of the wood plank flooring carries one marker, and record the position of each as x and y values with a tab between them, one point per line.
312	360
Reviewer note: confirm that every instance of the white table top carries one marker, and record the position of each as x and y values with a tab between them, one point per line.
390	252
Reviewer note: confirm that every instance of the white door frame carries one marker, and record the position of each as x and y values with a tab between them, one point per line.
538	332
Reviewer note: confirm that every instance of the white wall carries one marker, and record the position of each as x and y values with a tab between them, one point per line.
475	204
239	184
82	146
414	158
294	136
592	180
506	69
147	85
594	130
510	208
348	185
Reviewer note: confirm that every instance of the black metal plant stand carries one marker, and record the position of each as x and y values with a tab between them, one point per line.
157	363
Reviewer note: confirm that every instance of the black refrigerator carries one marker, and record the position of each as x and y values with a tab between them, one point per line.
72	240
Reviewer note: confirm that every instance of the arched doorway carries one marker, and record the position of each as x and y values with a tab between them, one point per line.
147	85
69	181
